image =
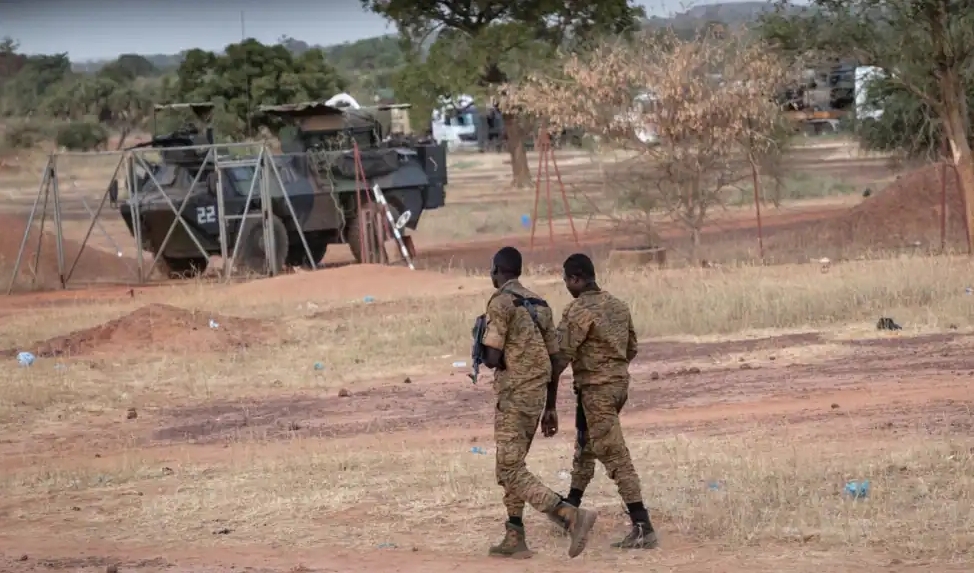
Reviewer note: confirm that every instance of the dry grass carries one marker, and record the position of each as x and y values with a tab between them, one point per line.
779	485
429	333
304	493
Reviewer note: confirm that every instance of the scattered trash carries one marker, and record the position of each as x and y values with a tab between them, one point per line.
387	546
525	221
713	485
25	358
969	290
886	323
867	192
131	414
478	450
857	490
564	475
214	324
460	364
344	393
224	531
319	366
369	299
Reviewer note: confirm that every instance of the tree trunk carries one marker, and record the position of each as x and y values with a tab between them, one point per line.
965	174
520	171
955	124
123	135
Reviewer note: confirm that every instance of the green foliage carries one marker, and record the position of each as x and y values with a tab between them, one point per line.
929	45
908	126
250	74
478	47
82	136
24	134
128	67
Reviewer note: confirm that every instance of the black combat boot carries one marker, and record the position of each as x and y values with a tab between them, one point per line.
642	535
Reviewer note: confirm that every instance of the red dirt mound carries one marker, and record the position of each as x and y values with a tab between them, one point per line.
161	328
903	213
94	264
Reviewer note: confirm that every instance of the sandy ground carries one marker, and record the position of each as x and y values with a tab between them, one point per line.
805	389
875	390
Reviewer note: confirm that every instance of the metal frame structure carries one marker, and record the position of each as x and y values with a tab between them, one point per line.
216	157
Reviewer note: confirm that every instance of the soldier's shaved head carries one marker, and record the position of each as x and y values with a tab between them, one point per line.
508	261
579	266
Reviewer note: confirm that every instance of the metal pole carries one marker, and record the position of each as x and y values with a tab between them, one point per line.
545	146
94	221
40	235
41	190
564	197
57	222
221	215
246	215
537	198
136	211
290	208
270	244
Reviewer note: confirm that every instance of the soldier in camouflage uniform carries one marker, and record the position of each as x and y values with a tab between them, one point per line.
597	338
519	346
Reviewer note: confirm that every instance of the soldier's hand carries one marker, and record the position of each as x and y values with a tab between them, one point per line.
549	423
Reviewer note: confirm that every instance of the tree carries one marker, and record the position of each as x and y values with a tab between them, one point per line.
708	101
926	47
249	74
128	67
492	42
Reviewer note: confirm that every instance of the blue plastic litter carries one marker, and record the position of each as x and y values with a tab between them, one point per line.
525	220
478	450
857	490
369	299
25	358
319	366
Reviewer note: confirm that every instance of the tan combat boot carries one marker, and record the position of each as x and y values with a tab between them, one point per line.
578	522
514	545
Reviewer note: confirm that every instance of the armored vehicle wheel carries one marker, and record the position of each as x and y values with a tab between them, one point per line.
317	244
371	218
253	255
179	268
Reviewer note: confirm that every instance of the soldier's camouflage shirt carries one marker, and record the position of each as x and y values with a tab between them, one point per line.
526	347
597	338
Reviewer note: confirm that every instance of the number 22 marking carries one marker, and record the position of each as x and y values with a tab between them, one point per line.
206	215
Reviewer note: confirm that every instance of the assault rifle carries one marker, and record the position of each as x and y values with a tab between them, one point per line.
477	351
480	327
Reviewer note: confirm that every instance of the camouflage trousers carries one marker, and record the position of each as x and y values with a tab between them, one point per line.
515	422
600	438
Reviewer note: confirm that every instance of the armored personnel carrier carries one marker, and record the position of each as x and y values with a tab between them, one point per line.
317	173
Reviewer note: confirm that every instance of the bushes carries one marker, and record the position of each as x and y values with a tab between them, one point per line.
82	136
73	136
25	134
